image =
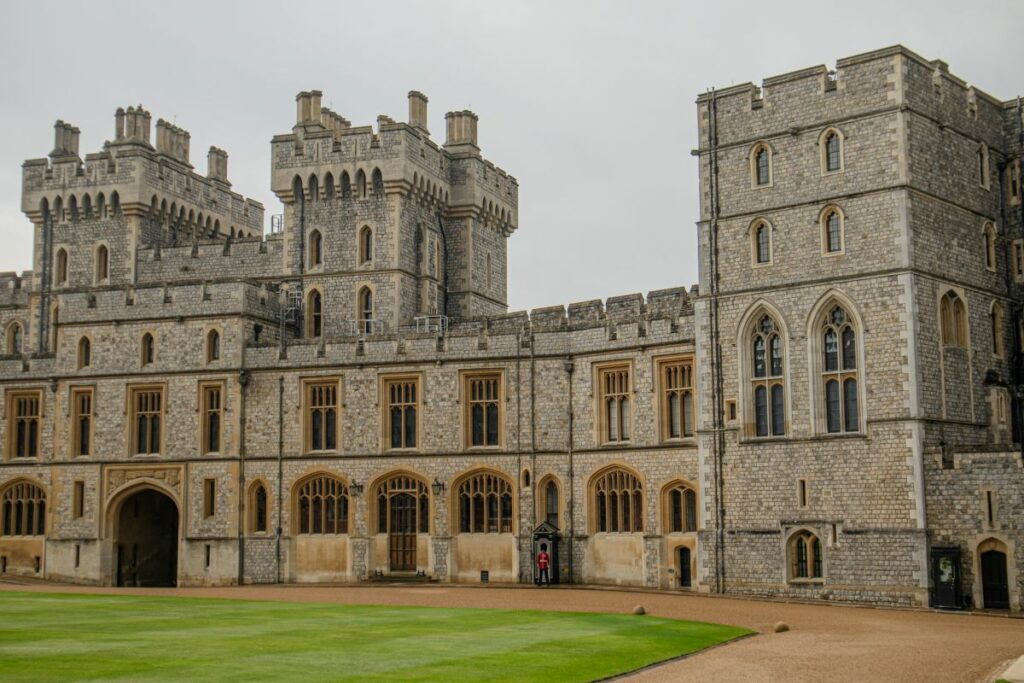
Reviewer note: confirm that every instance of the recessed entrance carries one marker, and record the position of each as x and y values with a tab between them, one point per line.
146	540
685	581
995	588
402	512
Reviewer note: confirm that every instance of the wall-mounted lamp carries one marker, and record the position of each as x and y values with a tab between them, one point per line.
437	487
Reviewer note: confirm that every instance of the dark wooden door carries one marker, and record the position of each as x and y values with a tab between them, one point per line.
994	586
402	534
684	568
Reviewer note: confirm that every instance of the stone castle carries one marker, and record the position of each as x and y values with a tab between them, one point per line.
834	413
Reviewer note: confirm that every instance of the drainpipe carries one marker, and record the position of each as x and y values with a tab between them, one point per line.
569	367
280	466
44	294
444	275
243	382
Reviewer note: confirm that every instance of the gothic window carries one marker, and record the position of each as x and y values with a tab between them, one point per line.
258	508
329	186
1013	182
365	245
549	504
983	171
346	186
378	181
147	350
679	502
805	557
102	263
84	353
485	504
839	374
482	398
146	405
212	346
1018	260
401	404
24	510
314	189
322	415
366	310
831	142
990	246
322	506
617	501
115	204
314	317
213	417
614	392
316	249
15	335
768	378
360	184
762	243
832	231
761	165
81	406
996	322
24	415
676	381
87	206
60	275
407	487
953	317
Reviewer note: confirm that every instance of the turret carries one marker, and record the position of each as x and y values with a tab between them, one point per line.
461	135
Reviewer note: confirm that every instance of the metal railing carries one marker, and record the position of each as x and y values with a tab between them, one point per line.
276	223
432	323
362	328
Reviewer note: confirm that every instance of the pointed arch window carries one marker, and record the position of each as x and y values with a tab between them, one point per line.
147	349
84	353
316	249
24	510
617	499
996	322
365	245
761	165
680	505
212	346
990	247
102	263
322	506
412	498
805	557
762	243
953	317
831	142
768	379
839	373
314	319
15	336
366	310
832	231
258	509
550	492
983	170
485	504
60	275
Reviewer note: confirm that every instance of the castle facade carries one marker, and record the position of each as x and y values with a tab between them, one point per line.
834	413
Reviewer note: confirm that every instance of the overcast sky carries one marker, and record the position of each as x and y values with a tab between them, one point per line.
590	105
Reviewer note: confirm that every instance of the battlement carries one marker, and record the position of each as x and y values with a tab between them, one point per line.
860	84
210	259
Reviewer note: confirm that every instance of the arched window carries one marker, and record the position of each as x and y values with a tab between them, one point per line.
549	504
346	186
314	319
378	181
101	205
314	189
14	338
805	557
322	506
488	279
258	508
115	203
839	374
990	246
761	165
485	503
768	378
84	352
148	349
996	321
679	502
329	187
365	245
617	500
316	249
60	275
400	496
360	184
762	242
831	151
87	206
212	346
953	316
73	208
983	172
1013	184
102	263
24	510
832	231
366	310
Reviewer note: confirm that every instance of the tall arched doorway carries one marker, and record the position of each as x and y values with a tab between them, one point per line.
403	511
995	586
146	540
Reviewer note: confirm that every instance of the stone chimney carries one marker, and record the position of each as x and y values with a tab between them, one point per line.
418	111
333	122
217	164
172	141
307	107
65	140
461	128
131	125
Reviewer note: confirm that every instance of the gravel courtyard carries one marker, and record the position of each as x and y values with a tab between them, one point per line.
825	643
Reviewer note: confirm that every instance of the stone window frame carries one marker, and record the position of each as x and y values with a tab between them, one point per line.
688	525
1017	252
823	217
12	399
989	509
661	366
745	340
306	407
213	350
752	163
78	499
997	321
635	517
61	266
101	264
147	348
984	167
402	480
1000	423
81	397
364	323
205	410
815	566
384	382
25	491
823	150
366	246
754	230
83	352
990	234
466	378
14	338
311	318
954	329
802	493
816	322
600	371
315	256
131	413
251	508
209	497
1013	182
484	482
541	512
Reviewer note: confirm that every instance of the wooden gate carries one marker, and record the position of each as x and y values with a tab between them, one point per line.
402	533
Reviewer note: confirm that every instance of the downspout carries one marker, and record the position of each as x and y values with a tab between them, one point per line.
444	271
569	367
519	440
1019	374
280	466
243	382
44	295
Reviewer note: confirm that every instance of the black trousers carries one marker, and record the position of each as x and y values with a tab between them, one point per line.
543	577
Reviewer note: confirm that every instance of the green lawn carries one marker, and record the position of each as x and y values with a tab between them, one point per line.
48	636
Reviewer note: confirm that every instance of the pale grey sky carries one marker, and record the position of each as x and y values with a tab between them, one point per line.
589	104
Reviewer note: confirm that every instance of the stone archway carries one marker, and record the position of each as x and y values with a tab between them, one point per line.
145	535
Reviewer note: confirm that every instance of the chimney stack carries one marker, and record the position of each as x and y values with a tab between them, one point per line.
119	125
65	140
461	128
172	141
132	125
307	107
418	111
217	164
